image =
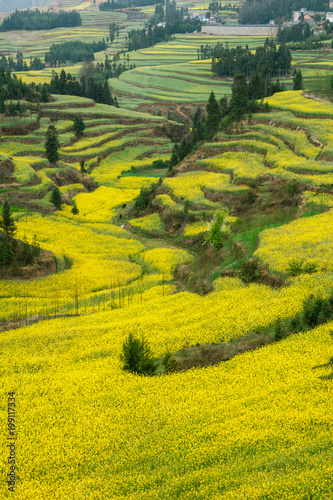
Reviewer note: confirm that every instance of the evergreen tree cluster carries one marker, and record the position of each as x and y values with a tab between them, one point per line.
262	11
125	4
136	356
74	52
67	84
52	145
295	33
36	20
7	255
228	62
312	43
140	39
20	65
316	311
13	88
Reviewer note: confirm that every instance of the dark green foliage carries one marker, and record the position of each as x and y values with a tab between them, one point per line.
82	167
137	356
56	198
36	20
13	88
89	87
228	62
279	332
124	4
169	363
145	197
295	33
52	144
7	254
250	271
23	256
262	11
295	324
297	266
239	97
75	210
213	115
75	51
7	223
292	187
26	254
78	125
298	80
142	38
9	64
311	309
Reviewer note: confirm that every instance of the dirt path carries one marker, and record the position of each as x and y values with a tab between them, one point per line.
180	112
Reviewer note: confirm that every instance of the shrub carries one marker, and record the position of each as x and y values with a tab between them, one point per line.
169	363
217	229
279	332
56	198
250	271
137	357
6	253
311	310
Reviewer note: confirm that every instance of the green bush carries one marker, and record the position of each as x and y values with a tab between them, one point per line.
250	271
169	363
137	356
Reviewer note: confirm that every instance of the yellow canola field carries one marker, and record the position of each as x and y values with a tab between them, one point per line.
189	186
242	165
151	222
100	205
294	101
165	259
310	239
89	430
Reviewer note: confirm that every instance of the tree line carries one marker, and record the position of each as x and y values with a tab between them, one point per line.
67	84
140	39
262	11
75	51
36	20
228	62
12	87
20	65
124	4
295	33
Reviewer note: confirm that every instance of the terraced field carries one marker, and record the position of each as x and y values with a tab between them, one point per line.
257	426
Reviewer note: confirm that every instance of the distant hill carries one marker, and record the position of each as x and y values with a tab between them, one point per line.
10	6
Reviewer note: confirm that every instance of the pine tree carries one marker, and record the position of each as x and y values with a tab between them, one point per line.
52	144
239	97
298	80
7	223
56	198
75	210
137	357
213	115
78	125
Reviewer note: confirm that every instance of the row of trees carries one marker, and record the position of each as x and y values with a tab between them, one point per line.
295	33
111	68
19	64
228	62
124	4
67	84
75	51
36	20
13	88
262	11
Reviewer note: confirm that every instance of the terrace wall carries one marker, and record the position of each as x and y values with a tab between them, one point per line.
240	30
